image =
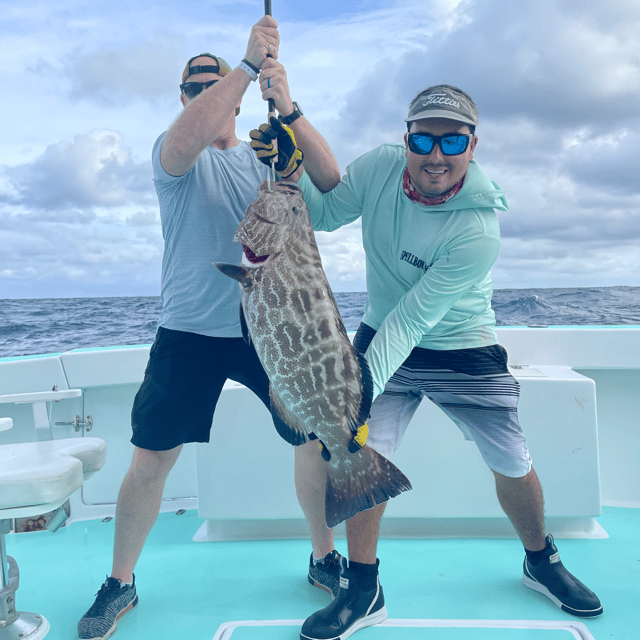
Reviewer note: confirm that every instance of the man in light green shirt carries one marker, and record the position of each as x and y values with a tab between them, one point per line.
431	235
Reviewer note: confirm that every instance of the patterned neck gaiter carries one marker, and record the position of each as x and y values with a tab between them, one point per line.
412	194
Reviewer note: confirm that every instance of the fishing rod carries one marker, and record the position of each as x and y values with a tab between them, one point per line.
271	110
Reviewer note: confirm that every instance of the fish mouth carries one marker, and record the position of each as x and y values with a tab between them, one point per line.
252	257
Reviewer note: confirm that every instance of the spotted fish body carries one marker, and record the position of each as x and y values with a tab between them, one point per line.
320	386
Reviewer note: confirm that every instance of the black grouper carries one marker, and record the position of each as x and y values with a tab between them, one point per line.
320	386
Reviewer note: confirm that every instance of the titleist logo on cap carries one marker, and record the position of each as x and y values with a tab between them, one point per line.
440	98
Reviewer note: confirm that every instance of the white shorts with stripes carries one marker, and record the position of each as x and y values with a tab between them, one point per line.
472	386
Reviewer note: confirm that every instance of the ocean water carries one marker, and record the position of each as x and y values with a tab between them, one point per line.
38	326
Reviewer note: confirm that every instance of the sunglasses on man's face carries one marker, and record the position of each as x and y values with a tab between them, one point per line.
192	89
451	144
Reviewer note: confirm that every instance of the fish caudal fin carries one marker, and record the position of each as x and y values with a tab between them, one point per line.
368	480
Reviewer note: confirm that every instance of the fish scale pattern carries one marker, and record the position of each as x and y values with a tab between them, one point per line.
294	319
318	382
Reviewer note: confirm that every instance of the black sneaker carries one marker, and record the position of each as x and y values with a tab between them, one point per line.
326	573
550	578
111	603
352	609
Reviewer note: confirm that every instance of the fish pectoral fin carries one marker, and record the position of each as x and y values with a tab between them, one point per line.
237	272
370	479
287	424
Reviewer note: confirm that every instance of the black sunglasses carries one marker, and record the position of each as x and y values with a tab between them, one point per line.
192	89
451	144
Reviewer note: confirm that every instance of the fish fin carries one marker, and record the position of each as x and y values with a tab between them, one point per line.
243	326
360	396
367	390
243	275
370	479
287	424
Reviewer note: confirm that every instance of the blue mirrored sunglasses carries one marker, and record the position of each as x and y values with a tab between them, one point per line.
451	144
192	89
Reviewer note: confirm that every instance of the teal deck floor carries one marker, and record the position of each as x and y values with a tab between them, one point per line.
187	590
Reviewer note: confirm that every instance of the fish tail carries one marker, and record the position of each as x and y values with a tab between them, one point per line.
370	479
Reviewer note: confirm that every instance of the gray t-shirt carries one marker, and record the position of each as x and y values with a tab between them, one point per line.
200	212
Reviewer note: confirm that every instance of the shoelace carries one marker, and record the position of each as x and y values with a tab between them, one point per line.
108	585
106	588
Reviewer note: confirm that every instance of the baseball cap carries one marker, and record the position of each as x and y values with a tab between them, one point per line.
443	102
221	68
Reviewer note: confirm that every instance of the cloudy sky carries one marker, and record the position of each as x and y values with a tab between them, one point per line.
88	86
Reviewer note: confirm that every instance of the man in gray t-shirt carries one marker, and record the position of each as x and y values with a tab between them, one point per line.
205	177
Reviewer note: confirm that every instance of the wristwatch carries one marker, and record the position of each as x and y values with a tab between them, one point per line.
297	112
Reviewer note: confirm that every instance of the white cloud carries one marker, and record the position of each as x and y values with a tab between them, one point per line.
557	83
116	76
144	219
96	169
343	257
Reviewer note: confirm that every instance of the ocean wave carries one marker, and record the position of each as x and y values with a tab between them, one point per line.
36	326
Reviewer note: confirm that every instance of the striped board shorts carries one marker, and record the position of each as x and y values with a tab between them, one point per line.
472	386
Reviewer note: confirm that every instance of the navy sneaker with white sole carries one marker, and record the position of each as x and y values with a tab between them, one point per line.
111	603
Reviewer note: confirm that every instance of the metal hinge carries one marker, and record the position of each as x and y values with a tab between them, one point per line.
78	424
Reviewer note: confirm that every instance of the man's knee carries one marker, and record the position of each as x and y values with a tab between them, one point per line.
149	466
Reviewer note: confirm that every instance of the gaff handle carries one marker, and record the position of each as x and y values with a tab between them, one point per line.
271	103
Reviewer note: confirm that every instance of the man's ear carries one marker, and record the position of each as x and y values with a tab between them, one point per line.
474	142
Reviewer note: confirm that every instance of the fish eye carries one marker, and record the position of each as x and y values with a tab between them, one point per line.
294	209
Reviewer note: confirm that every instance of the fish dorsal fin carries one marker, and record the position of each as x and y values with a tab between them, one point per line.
287	424
243	275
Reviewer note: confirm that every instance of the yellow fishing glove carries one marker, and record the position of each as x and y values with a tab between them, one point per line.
360	439
357	442
288	154
262	144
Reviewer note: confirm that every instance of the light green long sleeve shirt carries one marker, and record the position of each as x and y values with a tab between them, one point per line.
428	280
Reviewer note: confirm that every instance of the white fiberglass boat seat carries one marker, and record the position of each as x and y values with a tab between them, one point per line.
37	478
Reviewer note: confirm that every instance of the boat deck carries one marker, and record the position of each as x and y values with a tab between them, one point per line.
449	589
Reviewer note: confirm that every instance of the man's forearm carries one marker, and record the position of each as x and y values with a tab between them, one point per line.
201	122
319	161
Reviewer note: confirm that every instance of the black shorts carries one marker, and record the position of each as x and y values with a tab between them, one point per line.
182	384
